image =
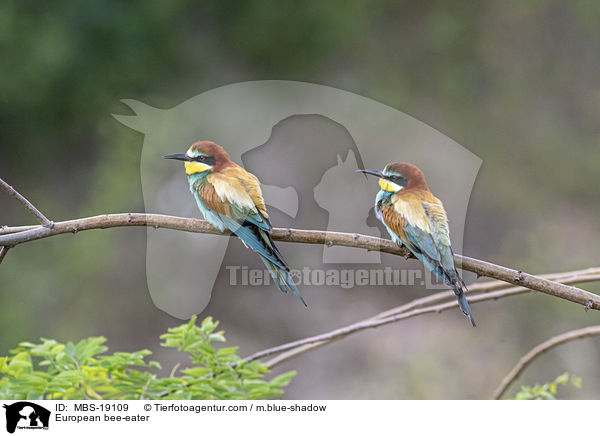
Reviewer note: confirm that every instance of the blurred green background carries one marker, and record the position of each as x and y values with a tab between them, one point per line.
514	82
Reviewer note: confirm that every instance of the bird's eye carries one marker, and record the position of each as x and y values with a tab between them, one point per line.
399	180
207	160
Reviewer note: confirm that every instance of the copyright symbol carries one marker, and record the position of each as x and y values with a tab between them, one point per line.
147	407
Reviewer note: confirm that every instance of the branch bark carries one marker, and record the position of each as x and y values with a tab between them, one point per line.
45	222
3	251
535	352
481	268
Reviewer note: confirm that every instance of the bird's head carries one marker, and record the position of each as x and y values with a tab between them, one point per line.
201	157
398	176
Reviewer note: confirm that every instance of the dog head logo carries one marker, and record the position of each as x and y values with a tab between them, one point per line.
303	141
26	415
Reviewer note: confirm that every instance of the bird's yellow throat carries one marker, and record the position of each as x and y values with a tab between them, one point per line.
388	186
195	167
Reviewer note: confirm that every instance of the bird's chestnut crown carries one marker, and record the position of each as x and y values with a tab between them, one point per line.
198	162
202	157
398	176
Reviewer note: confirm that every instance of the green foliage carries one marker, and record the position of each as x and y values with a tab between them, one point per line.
548	390
52	370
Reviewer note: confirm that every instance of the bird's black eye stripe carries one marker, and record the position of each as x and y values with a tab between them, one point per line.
399	180
209	160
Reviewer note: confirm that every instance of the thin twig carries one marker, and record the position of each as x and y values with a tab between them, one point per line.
538	350
372	323
481	268
568	277
6	229
30	207
287	355
571	277
174	370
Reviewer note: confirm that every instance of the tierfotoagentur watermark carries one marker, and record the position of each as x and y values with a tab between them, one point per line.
241	275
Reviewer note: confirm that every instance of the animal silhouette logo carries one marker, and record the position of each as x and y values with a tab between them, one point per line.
290	135
26	415
305	148
346	196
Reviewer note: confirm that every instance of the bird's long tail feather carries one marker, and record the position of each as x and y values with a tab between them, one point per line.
459	287
464	306
282	278
260	241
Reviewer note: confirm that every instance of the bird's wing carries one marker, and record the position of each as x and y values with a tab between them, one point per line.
236	193
252	186
420	221
434	209
407	217
235	196
395	222
249	220
436	214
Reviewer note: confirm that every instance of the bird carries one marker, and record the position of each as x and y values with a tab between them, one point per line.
230	198
415	218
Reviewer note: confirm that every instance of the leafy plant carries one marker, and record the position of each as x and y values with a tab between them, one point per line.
52	370
547	391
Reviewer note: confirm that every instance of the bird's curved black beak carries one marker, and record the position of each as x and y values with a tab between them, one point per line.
178	156
375	173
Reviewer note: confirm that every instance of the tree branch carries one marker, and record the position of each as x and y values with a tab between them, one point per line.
30	207
354	240
562	277
3	251
570	277
377	322
11	236
4	230
537	351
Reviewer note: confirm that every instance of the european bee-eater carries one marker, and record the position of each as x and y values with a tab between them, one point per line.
413	216
230	198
